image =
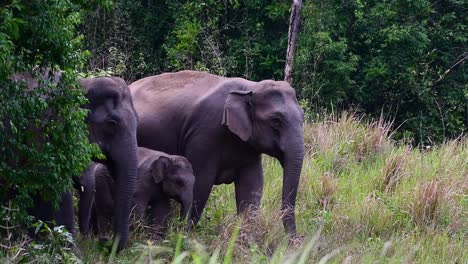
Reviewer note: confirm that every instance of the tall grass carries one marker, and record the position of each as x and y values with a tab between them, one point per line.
363	198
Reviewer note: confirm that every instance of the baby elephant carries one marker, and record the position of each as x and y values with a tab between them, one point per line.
161	177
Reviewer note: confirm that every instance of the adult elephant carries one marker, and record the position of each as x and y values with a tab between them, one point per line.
222	126
112	123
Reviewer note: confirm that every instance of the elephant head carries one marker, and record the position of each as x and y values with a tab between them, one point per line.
175	174
267	116
112	123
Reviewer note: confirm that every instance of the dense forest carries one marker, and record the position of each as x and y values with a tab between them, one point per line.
384	88
403	59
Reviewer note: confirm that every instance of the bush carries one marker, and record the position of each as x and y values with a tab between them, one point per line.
43	137
55	246
403	58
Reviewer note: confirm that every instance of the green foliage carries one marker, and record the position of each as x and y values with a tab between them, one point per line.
56	246
233	38
126	40
236	38
402	58
43	137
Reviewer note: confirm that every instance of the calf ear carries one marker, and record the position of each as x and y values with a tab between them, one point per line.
159	168
238	114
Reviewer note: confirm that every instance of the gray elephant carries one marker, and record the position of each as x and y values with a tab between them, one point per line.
223	125
111	122
161	177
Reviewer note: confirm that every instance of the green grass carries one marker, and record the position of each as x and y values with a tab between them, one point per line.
362	199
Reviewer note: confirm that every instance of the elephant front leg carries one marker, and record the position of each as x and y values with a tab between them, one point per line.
103	226
204	169
160	211
104	205
141	200
139	212
249	187
201	193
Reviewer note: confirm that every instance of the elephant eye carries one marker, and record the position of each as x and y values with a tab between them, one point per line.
112	123
179	182
111	126
276	122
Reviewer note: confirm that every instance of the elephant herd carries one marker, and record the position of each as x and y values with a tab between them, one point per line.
175	136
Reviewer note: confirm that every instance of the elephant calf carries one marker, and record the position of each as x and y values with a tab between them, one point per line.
160	177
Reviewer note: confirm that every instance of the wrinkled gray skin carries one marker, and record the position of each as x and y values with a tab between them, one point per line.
161	177
223	125
111	122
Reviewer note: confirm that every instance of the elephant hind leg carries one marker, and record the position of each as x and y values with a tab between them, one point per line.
45	212
66	215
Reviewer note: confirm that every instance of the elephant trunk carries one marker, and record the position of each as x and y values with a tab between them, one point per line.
292	166
86	187
124	171
186	204
85	206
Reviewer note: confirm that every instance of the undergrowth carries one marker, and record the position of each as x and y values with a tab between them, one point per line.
363	198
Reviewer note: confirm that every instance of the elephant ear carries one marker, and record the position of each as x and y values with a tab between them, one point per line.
159	168
238	114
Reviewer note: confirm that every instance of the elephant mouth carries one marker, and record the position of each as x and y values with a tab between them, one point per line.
277	154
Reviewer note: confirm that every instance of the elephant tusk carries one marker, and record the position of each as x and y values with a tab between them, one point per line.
82	188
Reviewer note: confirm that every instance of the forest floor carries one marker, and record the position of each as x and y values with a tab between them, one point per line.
363	198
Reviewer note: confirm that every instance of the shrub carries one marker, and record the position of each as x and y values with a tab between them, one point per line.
381	57
43	137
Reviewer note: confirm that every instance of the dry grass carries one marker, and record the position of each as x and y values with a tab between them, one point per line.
375	139
347	139
256	228
326	190
392	171
372	200
425	210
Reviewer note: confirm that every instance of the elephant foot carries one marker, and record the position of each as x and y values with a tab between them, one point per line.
158	233
296	241
103	240
107	245
77	252
189	227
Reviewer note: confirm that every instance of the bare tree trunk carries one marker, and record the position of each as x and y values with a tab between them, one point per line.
294	22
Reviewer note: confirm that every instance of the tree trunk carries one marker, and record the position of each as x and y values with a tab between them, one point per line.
294	22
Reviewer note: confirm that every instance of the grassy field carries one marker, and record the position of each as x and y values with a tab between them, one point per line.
363	199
